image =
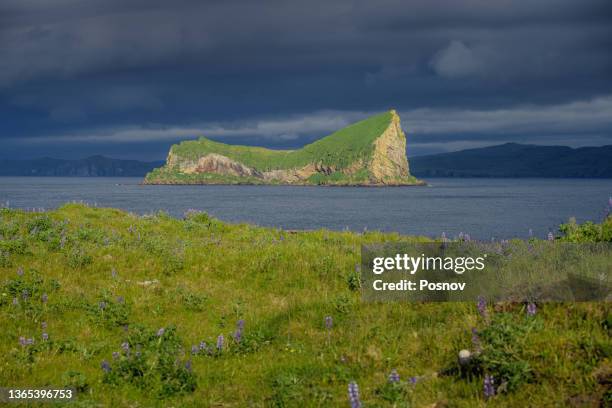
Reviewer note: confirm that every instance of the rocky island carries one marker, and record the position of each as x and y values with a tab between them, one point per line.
371	152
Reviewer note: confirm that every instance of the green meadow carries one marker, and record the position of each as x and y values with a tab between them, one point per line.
147	311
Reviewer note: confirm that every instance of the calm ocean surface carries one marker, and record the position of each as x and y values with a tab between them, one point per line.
484	208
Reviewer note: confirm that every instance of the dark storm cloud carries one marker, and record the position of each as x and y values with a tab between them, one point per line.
285	72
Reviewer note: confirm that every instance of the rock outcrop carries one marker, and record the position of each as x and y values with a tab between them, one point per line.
370	152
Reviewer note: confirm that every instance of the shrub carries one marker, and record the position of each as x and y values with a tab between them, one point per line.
151	361
78	258
109	311
503	344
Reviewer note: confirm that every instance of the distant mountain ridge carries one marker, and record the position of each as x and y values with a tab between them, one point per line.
517	160
94	166
505	160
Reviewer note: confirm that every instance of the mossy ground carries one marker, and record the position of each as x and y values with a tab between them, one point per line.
104	268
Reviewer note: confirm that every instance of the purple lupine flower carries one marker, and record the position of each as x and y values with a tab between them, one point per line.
551	237
329	322
460	236
43	325
44	298
114	273
25	294
531	309
20	271
160	332
413	380
188	365
482	306
102	305
22	341
194	349
115	355
237	336
394	376
353	395
475	339
29	342
125	346
202	346
220	340
45	336
120	299
240	324
443	236
489	387
105	366
467	238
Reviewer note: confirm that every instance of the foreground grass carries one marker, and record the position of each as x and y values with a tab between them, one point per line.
103	281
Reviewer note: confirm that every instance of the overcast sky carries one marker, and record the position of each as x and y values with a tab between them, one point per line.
127	78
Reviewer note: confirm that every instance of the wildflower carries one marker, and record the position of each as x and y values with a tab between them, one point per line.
413	380
467	238
220	340
482	306
114	273
531	309
45	336
328	322
353	394
120	299
188	365
105	366
194	349
160	332
29	342
25	294
240	324
44	298
20	271
394	376
444	239
464	357
22	341
43	325
102	305
202	346
475	339
489	388
551	237
115	355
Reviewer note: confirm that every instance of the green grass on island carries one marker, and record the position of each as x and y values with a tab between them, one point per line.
129	311
339	149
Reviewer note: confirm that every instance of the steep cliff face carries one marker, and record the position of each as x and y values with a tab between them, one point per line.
370	152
